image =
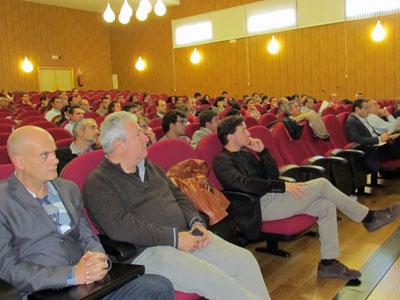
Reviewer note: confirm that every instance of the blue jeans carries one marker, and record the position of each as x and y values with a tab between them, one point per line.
145	287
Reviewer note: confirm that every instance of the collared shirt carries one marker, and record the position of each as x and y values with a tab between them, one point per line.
101	111
304	109
69	126
378	124
198	135
54	208
51	114
75	150
369	127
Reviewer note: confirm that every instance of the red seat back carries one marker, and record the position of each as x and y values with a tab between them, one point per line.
4	138
338	135
4	158
7	128
265	119
29	113
44	124
262	133
159	132
91	114
250	122
6	171
191	128
30	120
169	152
207	149
330	110
156	122
59	133
64	143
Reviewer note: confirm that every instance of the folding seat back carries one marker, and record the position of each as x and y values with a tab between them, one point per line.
44	124
342	118
4	138
348	108
292	151
91	114
191	129
329	111
29	113
262	133
317	106
5	171
30	120
266	119
59	133
159	132
156	122
250	122
339	109
4	158
281	115
64	143
274	110
8	121
207	149
336	132
314	146
169	152
7	128
6	114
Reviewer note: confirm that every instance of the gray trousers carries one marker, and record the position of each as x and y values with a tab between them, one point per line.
219	271
321	200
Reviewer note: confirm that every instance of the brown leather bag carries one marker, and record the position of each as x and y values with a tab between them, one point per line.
191	176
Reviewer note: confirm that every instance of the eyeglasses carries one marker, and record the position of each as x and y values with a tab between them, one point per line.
365	107
183	122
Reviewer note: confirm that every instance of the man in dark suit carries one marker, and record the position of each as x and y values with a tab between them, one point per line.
45	241
360	131
239	170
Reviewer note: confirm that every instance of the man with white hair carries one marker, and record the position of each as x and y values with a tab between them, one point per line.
45	240
130	199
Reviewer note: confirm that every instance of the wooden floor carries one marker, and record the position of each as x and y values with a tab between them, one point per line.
389	287
296	277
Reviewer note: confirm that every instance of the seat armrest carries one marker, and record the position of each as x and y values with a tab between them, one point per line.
238	196
346	153
8	291
287	179
122	251
330	159
302	173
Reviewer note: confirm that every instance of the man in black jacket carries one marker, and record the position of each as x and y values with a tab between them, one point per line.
240	170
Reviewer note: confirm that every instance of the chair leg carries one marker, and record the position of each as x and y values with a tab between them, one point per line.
374	181
312	233
272	248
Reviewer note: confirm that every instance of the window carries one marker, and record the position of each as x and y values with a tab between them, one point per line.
271	20
197	32
357	9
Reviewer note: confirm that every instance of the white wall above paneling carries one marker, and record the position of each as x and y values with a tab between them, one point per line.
319	12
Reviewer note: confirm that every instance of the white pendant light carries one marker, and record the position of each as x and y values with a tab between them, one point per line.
109	15
159	8
126	10
27	65
123	19
273	46
379	33
195	57
146	5
141	14
139	64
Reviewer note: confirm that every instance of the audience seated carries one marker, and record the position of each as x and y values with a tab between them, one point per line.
75	114
174	125
240	170
251	108
191	105
143	123
85	105
114	106
333	101
50	244
208	124
103	106
152	213
73	100
281	103
56	104
25	99
161	108
360	131
376	121
308	105
85	133
220	104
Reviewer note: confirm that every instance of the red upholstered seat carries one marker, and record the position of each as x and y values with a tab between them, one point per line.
329	111
7	128
59	133
4	159
8	121
28	113
44	124
191	129
91	114
166	154
3	138
266	119
159	132
6	170
64	142
250	122
156	122
288	226
30	120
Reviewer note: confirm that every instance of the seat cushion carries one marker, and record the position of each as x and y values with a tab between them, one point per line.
288	226
184	296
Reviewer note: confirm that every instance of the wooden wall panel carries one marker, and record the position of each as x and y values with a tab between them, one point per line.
39	31
311	60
